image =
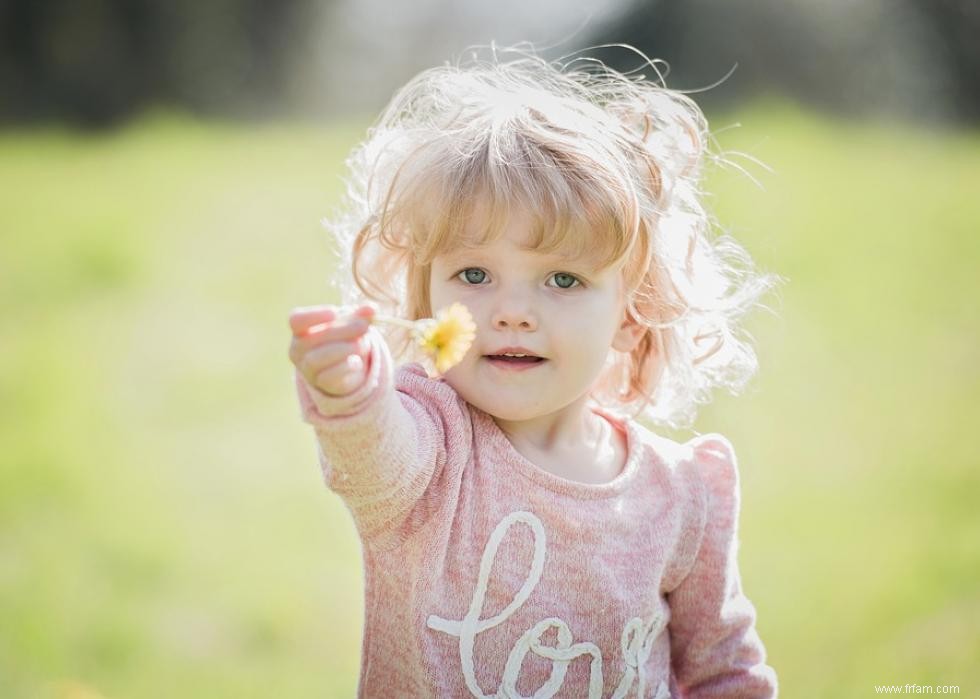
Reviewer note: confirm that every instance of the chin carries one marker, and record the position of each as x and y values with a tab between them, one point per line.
511	414
512	409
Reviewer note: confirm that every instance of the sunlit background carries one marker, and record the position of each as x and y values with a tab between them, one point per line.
164	528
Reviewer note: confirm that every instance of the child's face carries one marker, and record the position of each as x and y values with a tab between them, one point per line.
564	311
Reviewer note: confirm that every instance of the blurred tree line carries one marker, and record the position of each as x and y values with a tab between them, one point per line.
96	62
911	58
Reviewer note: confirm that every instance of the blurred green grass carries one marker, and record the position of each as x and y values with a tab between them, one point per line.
164	530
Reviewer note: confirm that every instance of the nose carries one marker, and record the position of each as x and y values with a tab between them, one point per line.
513	314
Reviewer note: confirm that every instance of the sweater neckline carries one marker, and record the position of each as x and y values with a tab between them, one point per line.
516	460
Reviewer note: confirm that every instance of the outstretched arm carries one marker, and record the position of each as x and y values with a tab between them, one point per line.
378	447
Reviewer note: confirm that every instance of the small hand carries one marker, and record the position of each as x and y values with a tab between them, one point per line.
330	351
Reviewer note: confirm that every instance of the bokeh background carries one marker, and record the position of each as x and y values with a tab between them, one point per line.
164	529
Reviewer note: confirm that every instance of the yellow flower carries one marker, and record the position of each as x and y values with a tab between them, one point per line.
445	339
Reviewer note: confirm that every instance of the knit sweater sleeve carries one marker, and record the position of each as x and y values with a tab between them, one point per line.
378	448
715	649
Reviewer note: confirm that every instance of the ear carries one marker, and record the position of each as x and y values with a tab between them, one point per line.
629	334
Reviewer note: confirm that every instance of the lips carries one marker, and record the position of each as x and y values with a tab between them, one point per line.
514	365
515	360
513	349
500	360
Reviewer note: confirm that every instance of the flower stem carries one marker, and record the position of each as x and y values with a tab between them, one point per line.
392	320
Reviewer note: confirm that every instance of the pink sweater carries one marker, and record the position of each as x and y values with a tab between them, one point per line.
487	576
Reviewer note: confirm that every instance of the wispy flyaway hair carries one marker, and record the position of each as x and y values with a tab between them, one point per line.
607	165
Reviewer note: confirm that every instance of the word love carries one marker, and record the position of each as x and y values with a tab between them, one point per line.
637	638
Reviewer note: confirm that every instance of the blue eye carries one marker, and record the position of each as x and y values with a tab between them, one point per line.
474	276
572	280
481	274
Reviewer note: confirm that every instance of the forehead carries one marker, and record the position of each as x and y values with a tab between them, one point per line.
519	234
518	248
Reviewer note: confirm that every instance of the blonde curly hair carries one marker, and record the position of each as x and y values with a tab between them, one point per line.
604	163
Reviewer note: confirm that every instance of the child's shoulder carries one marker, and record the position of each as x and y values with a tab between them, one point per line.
709	456
702	473
413	380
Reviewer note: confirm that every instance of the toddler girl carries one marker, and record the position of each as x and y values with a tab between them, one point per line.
523	535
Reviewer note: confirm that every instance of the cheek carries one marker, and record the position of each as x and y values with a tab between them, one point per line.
592	329
594	319
443	294
439	294
442	283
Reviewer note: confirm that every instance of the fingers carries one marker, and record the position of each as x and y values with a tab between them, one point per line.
328	347
338	331
341	378
335	367
365	311
304	320
304	317
320	347
326	355
317	325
